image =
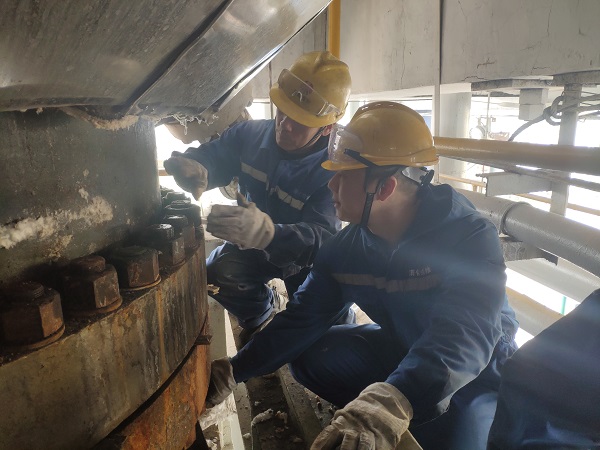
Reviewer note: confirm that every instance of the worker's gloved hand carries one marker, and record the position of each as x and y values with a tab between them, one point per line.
221	382
189	175
375	420
244	225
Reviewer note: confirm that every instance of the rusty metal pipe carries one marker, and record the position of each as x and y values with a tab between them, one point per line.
568	158
558	235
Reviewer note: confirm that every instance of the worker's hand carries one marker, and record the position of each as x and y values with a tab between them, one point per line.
189	175
376	419
221	382
244	225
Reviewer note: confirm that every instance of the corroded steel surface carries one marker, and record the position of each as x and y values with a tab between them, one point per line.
168	420
74	392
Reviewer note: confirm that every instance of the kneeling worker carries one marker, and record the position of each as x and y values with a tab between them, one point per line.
289	211
428	270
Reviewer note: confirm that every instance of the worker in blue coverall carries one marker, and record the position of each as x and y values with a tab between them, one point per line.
550	390
427	268
289	211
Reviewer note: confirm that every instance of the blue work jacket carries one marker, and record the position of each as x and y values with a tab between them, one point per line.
439	294
550	391
292	190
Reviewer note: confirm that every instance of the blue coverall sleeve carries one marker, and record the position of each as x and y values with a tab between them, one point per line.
298	243
221	157
316	306
464	327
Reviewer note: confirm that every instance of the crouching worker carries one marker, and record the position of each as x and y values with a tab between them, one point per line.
428	270
289	210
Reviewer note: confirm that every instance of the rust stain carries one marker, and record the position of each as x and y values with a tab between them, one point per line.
169	421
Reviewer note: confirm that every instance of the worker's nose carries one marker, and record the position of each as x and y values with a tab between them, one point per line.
334	182
286	123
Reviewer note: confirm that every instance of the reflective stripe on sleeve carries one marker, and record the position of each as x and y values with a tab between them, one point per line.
254	173
410	284
287	198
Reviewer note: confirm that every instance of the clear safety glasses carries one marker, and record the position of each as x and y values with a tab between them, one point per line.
345	147
304	95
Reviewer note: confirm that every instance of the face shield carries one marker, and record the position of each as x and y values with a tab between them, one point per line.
303	95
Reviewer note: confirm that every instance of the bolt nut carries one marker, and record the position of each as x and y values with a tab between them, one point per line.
90	286
31	315
171	249
173	196
136	266
159	232
191	211
165	190
176	221
171	252
183	228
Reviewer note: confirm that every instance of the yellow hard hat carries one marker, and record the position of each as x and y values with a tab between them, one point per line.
383	134
314	91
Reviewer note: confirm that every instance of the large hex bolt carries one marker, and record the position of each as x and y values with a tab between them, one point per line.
137	267
186	208
31	316
172	196
90	286
191	211
182	227
171	248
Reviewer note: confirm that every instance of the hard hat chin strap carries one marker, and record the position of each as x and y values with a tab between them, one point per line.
364	220
313	140
419	175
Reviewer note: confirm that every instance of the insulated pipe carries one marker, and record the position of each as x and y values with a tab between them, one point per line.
333	27
558	235
567	158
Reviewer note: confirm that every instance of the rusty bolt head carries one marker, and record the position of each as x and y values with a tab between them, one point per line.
176	221
160	232
88	265
30	314
173	196
136	266
191	211
162	238
172	252
90	286
165	190
184	228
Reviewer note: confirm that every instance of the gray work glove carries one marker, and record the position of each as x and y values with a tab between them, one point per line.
244	225
189	175
376	419
221	382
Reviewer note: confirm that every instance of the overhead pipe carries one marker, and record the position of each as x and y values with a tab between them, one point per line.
573	241
567	158
334	13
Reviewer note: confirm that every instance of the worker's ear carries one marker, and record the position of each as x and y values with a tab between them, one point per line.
387	188
327	130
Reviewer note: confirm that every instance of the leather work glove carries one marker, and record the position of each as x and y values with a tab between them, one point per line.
244	225
221	382
376	420
189	175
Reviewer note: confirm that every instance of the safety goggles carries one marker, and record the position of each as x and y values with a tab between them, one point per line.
344	147
304	95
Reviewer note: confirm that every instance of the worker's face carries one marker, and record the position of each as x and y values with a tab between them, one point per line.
349	194
290	135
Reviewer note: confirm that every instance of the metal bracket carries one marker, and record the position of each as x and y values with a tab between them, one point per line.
516	251
505	183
